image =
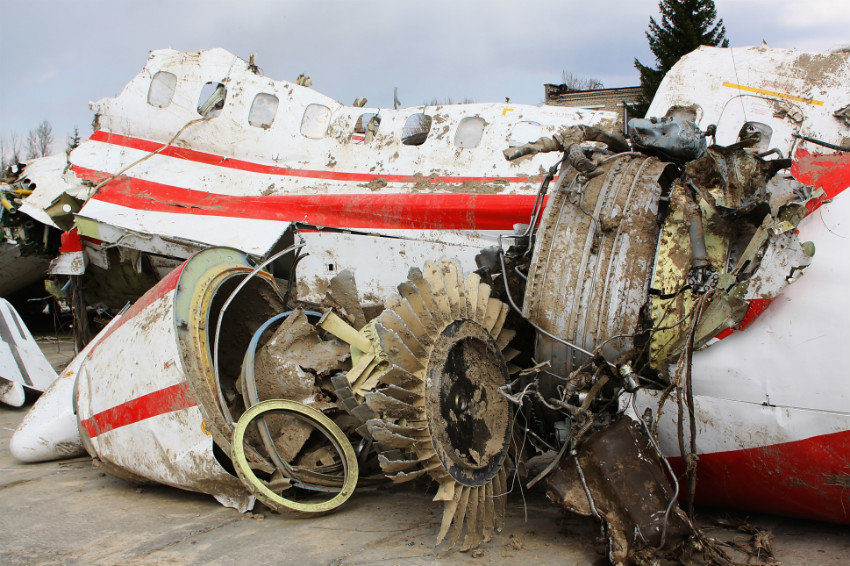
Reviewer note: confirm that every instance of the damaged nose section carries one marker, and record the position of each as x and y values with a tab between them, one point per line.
188	389
146	394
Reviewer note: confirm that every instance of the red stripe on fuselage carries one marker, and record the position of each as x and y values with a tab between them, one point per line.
419	211
160	402
806	478
241	165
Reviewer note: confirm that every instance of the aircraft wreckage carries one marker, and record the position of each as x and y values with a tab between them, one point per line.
336	296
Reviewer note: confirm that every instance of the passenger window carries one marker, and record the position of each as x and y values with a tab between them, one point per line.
366	127
263	110
211	100
415	130
525	132
162	89
315	122
469	132
756	130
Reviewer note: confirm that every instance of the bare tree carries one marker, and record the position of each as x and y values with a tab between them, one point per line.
32	145
437	102
16	147
575	82
3	162
44	138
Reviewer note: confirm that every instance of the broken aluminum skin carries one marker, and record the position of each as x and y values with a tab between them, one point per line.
22	363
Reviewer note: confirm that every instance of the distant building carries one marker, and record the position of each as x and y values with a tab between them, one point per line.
599	99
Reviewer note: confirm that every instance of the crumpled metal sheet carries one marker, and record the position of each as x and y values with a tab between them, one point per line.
626	486
22	364
734	178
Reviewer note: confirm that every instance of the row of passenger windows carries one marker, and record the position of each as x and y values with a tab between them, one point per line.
316	119
314	123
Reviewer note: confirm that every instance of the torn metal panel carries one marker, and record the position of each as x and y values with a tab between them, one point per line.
733	179
52	183
798	335
22	363
617	476
745	254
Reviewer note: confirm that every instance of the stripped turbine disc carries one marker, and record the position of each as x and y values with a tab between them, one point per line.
435	395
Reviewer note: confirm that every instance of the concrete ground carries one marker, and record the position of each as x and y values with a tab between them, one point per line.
70	512
58	349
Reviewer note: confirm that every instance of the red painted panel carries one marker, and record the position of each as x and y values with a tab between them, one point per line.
70	241
807	478
830	172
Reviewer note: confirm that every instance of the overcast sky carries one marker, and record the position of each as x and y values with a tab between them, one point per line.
59	55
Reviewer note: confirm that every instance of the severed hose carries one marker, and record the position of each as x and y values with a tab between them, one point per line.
319	421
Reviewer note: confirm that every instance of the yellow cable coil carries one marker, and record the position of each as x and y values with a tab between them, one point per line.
318	420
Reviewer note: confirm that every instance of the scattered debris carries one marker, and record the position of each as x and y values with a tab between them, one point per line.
614	351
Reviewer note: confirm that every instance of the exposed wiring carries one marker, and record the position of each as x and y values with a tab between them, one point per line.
590	502
821	142
737	83
515	479
669	473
